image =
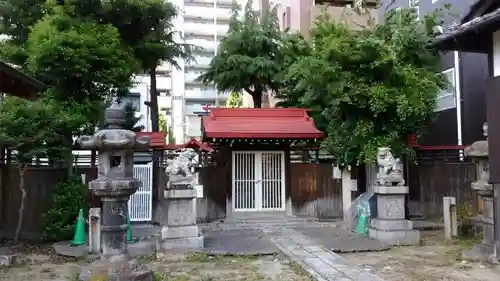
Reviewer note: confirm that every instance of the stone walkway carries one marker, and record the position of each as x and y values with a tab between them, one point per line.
322	264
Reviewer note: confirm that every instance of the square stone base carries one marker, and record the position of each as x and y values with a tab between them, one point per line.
394	232
188	243
171	232
480	252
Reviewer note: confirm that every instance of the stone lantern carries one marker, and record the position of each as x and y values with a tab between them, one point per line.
114	185
478	151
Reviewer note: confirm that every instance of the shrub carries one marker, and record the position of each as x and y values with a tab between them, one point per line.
59	220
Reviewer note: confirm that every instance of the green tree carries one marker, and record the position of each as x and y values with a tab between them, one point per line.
146	26
131	120
29	128
16	18
234	100
249	59
371	88
170	135
162	123
82	60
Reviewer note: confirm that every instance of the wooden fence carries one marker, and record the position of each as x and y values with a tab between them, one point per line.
311	189
314	192
39	183
429	183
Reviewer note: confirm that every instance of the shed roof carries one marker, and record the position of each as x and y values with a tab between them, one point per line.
259	123
481	21
17	83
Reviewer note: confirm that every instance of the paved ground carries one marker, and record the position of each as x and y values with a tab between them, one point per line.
321	263
337	239
239	242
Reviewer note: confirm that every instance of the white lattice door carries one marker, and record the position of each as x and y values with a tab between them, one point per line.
258	181
140	205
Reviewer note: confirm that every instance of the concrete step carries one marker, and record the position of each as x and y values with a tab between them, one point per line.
266	218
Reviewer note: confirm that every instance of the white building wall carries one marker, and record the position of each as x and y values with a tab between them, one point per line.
142	87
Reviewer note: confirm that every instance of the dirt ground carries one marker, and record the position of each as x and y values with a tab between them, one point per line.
433	260
172	267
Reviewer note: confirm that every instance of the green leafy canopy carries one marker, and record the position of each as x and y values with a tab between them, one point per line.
248	59
369	88
31	128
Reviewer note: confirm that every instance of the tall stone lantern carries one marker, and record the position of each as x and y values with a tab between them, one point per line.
114	185
478	151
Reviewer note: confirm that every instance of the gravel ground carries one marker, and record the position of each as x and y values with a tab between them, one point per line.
171	266
434	260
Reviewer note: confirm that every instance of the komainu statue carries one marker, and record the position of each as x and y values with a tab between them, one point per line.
390	169
179	168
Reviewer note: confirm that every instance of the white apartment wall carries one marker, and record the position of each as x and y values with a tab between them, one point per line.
142	87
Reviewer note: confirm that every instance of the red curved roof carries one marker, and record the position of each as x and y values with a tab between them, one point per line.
192	143
259	123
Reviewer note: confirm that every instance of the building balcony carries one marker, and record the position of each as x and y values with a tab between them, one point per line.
221	30
190	79
200	62
226	4
205	30
199	3
343	3
203	45
201	95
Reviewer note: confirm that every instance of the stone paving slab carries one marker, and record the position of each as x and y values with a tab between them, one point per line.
322	264
339	240
239	242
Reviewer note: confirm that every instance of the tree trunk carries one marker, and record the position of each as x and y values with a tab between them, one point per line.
20	219
257	99
153	99
155	124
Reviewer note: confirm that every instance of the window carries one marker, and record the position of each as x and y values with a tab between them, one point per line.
134	99
415	5
446	99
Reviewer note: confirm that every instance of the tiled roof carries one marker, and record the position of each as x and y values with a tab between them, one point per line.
192	143
259	123
156	139
479	22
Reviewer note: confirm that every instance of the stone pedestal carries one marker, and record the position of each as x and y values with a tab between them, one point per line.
478	151
181	231
390	225
485	250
